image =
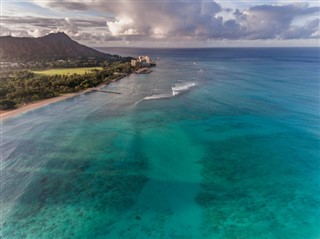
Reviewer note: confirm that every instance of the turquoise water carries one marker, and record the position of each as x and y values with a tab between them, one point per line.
214	143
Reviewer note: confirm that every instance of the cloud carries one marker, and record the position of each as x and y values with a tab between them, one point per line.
311	29
157	19
52	22
39	26
174	20
271	22
154	19
5	31
122	26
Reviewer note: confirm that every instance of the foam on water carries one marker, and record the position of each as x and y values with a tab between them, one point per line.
177	88
157	96
181	86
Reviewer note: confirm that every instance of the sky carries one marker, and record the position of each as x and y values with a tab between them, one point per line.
167	23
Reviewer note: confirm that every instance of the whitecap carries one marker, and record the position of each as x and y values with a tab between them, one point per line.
177	88
181	86
157	96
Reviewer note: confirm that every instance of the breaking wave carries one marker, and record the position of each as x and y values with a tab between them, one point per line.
176	88
157	96
181	86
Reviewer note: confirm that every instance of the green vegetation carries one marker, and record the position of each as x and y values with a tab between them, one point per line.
24	86
7	104
67	71
36	65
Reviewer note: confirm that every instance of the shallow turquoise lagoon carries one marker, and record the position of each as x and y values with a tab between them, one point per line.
213	144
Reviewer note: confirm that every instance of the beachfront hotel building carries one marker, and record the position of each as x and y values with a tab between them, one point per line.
142	61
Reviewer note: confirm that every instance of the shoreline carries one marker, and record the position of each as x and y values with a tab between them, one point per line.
6	114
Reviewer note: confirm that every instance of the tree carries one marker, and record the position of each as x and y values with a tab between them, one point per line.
7	104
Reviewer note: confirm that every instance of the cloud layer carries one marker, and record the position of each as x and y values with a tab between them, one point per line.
173	20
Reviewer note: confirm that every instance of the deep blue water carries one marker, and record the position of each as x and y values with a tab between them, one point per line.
214	143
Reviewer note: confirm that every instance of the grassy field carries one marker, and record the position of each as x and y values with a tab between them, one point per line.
67	71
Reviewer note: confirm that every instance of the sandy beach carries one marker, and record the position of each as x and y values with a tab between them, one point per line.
5	114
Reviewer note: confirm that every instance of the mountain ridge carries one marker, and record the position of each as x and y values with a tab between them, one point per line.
53	45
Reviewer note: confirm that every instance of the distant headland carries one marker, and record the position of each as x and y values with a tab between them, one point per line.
55	66
54	45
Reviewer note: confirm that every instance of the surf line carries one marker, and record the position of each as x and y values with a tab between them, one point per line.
181	86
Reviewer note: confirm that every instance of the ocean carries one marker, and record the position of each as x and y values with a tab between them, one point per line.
214	144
